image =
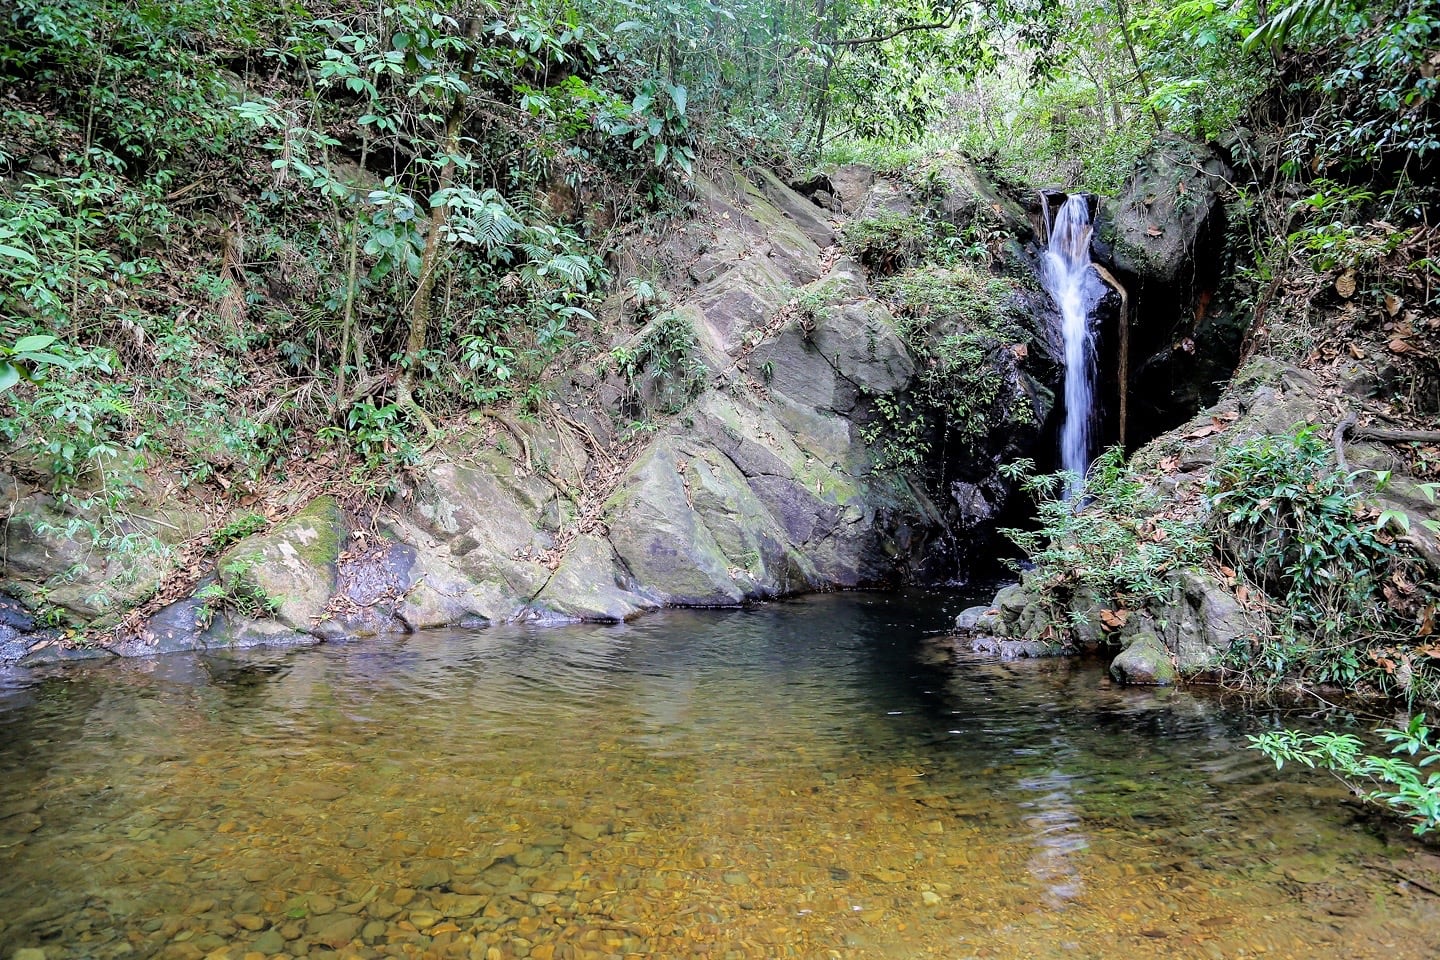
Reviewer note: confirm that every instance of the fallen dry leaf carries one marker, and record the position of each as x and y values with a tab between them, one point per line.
1114	619
1399	346
1392	304
1356	352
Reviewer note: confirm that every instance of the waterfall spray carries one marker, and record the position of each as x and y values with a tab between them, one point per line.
1073	285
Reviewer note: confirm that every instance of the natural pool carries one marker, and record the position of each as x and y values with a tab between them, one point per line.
805	779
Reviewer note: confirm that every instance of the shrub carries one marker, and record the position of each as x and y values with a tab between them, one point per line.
1289	523
1392	783
1109	540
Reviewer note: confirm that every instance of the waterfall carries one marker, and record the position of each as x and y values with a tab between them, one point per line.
1075	288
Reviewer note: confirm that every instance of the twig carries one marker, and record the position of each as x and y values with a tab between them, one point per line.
1395	436
1410	880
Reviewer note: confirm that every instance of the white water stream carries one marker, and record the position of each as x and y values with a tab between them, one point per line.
1072	283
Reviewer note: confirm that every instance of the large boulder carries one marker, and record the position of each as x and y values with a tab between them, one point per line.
1169	211
85	555
1162	239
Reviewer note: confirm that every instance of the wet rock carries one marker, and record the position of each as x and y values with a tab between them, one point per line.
586	830
270	942
591	584
1165	210
1144	661
851	183
323	792
1012	600
1007	649
979	619
966	193
48	546
1203	623
335	931
432	875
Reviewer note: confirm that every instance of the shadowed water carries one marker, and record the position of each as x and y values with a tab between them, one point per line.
808	779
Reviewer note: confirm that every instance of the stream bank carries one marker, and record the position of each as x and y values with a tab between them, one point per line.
743	437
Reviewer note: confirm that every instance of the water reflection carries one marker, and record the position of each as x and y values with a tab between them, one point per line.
802	779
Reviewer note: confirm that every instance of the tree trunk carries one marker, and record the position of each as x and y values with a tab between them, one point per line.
430	259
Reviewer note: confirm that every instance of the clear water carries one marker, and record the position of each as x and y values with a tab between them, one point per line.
820	778
1072	283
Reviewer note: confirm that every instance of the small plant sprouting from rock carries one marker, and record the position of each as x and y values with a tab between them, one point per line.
1298	531
967	342
234	591
888	242
662	363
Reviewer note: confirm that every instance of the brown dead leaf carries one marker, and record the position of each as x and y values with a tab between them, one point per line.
1170	464
1345	284
1356	352
1201	433
1399	346
1114	619
1392	304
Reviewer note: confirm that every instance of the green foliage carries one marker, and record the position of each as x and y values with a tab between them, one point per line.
235	591
379	436
661	365
1107	539
888	242
1286	519
963	329
235	530
1393	783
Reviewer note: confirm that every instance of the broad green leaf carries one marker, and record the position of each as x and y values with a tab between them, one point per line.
15	253
9	375
38	341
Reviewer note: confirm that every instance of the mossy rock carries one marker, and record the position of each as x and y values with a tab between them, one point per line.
291	566
1144	662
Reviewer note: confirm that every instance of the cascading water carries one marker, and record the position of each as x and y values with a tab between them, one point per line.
1071	282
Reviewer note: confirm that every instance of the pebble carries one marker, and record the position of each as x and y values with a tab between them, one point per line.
324	792
270	942
586	830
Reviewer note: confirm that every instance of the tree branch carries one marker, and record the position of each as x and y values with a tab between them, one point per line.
898	31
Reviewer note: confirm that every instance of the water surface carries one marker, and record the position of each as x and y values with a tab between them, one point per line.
816	778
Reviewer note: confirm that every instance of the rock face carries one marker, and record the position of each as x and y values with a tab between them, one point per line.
1163	240
714	455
